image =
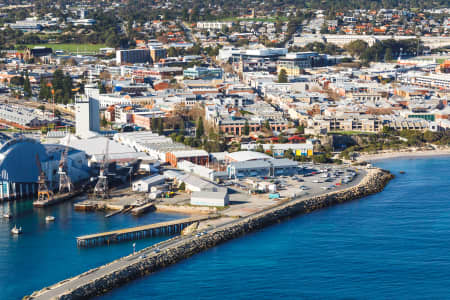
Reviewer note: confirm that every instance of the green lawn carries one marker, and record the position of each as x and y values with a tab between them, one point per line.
71	48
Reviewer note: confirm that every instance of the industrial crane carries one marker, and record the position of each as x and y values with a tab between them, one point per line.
101	189
65	184
44	193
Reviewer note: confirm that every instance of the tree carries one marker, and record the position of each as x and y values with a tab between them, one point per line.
44	92
282	76
356	48
246	129
160	126
388	55
200	130
27	86
267	125
172	52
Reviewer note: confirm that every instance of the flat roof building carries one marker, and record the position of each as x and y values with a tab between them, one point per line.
133	56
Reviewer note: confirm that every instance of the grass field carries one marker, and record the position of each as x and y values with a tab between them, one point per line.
71	48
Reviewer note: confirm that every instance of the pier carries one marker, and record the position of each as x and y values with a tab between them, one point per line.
139	232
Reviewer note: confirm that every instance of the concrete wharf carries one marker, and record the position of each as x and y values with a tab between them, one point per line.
139	232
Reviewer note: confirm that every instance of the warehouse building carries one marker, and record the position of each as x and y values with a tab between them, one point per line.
19	170
217	198
239	156
278	150
262	168
22	116
145	184
199	157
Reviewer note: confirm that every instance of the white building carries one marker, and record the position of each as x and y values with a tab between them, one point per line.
145	184
214	25
219	198
87	117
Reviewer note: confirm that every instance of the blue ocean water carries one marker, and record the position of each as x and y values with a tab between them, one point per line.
47	253
393	245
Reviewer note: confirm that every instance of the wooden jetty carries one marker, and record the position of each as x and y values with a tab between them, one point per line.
139	232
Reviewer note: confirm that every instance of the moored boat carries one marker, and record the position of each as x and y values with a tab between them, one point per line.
49	218
16	230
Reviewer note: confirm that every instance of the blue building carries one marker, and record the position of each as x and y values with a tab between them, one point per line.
19	170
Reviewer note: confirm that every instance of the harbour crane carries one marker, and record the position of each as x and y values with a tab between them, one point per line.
101	189
65	184
44	194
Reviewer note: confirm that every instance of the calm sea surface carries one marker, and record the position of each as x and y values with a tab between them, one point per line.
47	252
393	245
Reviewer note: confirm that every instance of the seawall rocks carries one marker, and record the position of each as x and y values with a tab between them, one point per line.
374	182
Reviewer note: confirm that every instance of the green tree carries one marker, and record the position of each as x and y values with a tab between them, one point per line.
267	125
67	87
27	86
44	91
160	126
282	76
246	129
172	52
356	48
388	55
200	129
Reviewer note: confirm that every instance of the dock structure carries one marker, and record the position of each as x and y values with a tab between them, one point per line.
139	232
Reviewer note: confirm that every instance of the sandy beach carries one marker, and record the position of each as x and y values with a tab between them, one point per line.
409	153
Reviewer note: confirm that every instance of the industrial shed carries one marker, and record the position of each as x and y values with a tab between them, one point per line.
144	185
210	198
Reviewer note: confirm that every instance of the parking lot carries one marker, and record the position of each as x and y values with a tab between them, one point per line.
247	197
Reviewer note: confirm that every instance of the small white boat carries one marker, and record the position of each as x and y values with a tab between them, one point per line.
7	216
49	218
16	230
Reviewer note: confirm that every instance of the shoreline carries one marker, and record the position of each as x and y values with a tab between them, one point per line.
410	153
114	274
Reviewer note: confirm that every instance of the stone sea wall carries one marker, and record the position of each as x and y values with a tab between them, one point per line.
374	182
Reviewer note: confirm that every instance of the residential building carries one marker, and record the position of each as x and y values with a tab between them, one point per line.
133	56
